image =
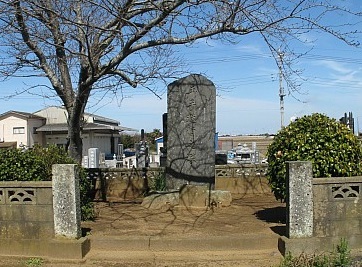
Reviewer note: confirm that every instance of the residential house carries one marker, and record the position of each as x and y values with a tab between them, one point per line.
49	126
19	129
100	132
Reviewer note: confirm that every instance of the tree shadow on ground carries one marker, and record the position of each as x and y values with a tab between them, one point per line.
245	215
274	215
130	218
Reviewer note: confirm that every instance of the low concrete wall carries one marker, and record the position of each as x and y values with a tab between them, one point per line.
27	223
26	217
26	210
337	206
130	184
242	179
336	214
122	184
243	186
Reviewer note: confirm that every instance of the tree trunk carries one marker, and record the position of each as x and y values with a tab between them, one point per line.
75	144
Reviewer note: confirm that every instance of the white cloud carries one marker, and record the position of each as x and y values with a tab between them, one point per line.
335	66
253	49
308	39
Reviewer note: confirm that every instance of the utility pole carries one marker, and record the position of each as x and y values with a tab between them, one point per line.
281	88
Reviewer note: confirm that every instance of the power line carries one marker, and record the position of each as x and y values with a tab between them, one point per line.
224	59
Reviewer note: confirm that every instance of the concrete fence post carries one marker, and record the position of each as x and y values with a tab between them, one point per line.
66	201
299	199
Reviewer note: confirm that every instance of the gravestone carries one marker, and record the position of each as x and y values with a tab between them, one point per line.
142	152
191	105
163	150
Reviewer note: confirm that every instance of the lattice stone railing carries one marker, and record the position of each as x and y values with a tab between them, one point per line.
227	171
339	188
346	191
240	171
14	192
21	196
2	196
18	196
125	174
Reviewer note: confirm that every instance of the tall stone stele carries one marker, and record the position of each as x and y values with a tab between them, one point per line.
191	108
66	201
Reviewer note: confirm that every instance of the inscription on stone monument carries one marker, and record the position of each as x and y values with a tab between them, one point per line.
191	105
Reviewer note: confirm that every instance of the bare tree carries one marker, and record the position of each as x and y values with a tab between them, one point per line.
82	46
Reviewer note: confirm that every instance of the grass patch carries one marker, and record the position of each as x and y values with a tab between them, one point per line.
339	257
34	262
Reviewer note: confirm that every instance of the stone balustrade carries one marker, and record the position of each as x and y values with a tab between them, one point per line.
120	184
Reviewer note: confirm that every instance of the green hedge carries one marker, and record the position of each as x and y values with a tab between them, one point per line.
331	147
35	164
31	165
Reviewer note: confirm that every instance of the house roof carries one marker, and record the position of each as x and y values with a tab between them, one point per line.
96	118
63	127
25	115
100	123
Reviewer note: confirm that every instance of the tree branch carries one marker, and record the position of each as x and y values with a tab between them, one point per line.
34	48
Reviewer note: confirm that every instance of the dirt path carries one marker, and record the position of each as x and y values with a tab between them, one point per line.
244	234
246	215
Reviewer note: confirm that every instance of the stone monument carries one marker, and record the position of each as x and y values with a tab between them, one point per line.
66	201
163	150
142	152
191	105
299	199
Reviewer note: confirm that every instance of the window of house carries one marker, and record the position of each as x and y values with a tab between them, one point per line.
19	130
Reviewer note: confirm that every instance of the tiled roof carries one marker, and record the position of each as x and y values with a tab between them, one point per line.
22	114
96	118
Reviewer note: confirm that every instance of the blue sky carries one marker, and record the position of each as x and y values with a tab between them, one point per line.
246	78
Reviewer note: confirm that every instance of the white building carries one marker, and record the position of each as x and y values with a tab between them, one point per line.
19	129
49	126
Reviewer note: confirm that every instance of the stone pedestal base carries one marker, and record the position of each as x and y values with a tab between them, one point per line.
189	196
69	248
53	248
194	196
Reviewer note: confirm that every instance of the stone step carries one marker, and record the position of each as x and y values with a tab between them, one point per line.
97	258
230	258
249	250
199	243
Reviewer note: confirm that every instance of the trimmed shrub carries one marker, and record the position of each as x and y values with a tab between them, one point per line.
331	147
31	165
35	164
